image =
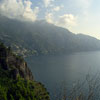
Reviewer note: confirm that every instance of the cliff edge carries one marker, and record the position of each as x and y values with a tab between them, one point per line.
16	79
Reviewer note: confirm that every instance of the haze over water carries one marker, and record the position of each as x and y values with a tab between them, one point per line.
53	70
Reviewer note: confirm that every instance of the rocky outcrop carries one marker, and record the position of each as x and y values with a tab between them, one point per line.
16	80
15	64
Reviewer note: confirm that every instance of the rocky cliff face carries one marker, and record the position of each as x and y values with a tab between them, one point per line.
15	64
16	80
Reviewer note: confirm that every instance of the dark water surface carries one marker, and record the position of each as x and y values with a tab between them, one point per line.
53	70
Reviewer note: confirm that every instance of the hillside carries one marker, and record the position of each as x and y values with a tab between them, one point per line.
16	80
42	38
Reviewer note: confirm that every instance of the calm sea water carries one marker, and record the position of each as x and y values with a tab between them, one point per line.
52	71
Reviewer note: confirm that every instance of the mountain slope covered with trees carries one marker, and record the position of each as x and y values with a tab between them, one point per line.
42	38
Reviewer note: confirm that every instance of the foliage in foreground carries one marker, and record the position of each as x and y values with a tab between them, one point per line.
21	89
17	88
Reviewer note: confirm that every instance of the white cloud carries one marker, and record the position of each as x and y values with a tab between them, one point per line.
49	18
30	13
47	2
18	9
67	20
57	8
10	8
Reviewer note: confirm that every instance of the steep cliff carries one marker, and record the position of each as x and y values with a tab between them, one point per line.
16	80
13	63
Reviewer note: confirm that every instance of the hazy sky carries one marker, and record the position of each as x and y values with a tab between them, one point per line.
79	16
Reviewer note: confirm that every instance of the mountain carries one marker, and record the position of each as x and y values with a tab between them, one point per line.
16	79
42	38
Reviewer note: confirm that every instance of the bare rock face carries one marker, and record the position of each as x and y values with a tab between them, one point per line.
15	64
20	67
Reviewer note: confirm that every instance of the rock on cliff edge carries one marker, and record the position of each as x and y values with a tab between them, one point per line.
15	64
16	80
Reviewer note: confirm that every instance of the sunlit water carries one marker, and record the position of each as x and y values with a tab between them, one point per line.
52	71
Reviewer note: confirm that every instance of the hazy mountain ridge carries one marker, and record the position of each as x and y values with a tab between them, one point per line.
41	37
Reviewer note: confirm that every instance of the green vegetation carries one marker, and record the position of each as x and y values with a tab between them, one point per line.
21	89
18	88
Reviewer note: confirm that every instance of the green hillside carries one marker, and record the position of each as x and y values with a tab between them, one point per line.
16	80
